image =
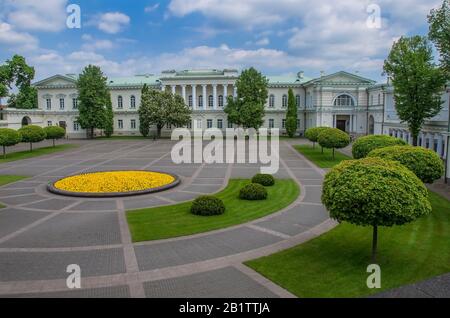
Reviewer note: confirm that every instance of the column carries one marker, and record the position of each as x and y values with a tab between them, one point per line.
183	92
235	91
334	121
174	87
194	96
205	99
225	94
351	123
439	147
215	96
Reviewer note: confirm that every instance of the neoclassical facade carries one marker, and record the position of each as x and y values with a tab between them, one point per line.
343	100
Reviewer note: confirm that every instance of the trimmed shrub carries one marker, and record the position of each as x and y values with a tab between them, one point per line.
9	137
333	138
32	134
363	145
54	132
253	191
207	205
425	163
313	133
374	192
266	180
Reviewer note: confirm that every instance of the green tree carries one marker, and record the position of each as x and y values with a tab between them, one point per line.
439	30
109	120
333	138
248	108
93	97
364	145
374	192
54	132
161	109
417	82
291	115
9	137
313	133
32	134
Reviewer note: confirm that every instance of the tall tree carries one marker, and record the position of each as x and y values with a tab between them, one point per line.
93	96
161	109
109	121
439	33
291	115
417	81
16	71
247	109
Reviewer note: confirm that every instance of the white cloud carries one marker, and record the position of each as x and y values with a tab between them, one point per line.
113	22
16	40
92	44
151	8
263	42
32	15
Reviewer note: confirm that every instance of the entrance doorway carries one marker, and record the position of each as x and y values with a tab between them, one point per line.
63	125
341	124
26	121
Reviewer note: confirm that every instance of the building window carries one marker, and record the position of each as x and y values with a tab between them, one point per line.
283	123
132	102
298	123
285	101
210	101
219	123
190	101
209	123
199	124
48	103
133	124
271	123
49	123
120	123
272	101
220	101
189	125
74	103
371	100
200	101
120	102
230	124
344	100
76	126
298	100
61	103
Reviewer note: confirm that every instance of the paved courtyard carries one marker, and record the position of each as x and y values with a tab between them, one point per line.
42	233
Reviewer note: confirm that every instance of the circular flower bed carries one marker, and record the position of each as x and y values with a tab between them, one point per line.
114	183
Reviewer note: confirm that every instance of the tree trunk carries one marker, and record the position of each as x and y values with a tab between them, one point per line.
92	133
374	244
53	142
31	147
414	140
4	152
158	131
322	150
314	145
333	153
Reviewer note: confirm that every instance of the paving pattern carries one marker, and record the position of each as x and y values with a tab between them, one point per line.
42	233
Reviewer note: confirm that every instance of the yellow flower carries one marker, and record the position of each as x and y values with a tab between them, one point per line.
115	181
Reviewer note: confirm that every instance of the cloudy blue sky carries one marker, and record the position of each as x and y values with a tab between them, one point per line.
147	36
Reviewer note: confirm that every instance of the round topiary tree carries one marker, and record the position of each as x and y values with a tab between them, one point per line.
333	138
374	192
266	180
313	133
253	192
32	134
54	132
363	145
9	137
425	163
207	205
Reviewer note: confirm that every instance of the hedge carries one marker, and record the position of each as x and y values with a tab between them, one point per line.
207	205
313	133
266	180
54	132
32	134
333	138
9	137
425	163
363	145
253	191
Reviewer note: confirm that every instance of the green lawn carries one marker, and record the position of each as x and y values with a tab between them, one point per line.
4	180
334	264
35	153
322	160
176	220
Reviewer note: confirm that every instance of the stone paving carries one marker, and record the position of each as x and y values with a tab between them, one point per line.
42	233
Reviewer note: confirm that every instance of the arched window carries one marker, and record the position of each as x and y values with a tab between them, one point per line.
272	101
220	101
132	102
26	121
371	125
119	102
190	101
200	101
285	101
344	100
298	100
210	101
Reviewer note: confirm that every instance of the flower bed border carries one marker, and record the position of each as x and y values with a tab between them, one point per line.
51	187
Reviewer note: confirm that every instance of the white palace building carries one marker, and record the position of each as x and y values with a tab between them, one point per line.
343	100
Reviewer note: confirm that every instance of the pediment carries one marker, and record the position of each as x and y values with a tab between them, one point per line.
57	80
344	78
